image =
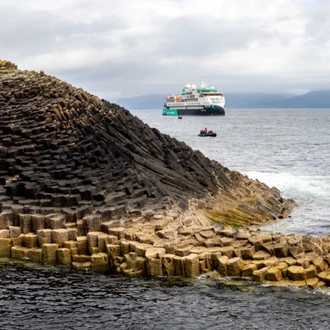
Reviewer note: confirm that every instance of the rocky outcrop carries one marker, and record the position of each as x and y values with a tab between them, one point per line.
82	181
155	247
66	150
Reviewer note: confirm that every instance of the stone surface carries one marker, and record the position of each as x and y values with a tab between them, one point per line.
59	236
20	253
234	266
35	255
297	273
274	274
63	256
5	247
100	260
191	265
44	236
30	240
154	267
49	253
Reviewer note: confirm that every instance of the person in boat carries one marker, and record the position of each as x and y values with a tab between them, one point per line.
204	131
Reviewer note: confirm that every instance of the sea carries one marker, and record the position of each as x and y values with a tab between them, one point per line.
285	148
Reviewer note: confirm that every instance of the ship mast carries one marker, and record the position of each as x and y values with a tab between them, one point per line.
203	83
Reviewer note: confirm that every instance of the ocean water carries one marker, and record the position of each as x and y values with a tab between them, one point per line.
49	298
286	148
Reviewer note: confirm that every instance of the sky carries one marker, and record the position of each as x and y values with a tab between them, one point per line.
123	48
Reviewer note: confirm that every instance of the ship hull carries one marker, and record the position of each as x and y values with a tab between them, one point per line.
214	110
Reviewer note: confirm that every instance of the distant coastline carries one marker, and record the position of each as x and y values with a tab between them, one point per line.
316	99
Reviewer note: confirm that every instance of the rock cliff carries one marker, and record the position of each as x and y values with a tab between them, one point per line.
63	148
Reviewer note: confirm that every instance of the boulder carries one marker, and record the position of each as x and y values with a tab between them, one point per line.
44	236
14	231
4	233
37	222
311	271
297	273
156	253
100	261
247	252
63	256
20	253
35	255
320	264
178	266
168	264
135	265
274	274
5	247
234	266
227	251
25	223
154	266
6	219
205	262
59	236
222	265
191	265
49	255
260	274
30	240
82	243
184	251
55	220
247	270
261	255
93	222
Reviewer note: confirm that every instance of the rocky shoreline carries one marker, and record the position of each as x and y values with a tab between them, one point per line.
146	248
85	183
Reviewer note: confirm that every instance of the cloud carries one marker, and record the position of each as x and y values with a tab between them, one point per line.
123	48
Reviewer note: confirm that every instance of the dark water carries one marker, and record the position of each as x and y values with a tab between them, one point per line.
288	149
50	298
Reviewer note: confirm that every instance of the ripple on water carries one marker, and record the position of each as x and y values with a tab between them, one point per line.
96	301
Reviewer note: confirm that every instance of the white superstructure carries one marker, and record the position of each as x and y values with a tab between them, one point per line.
195	101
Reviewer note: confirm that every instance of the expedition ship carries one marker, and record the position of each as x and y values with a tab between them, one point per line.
194	101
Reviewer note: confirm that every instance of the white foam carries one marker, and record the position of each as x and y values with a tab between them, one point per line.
312	214
295	186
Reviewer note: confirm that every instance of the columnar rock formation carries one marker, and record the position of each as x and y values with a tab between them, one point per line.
83	180
63	148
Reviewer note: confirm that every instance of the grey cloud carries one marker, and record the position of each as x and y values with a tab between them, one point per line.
186	36
162	52
31	32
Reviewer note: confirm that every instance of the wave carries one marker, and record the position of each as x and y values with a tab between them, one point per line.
312	215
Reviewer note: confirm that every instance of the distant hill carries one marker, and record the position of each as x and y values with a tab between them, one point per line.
152	101
317	99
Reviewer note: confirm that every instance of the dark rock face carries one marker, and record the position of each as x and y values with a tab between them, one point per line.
63	148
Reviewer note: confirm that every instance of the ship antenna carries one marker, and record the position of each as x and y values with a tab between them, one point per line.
203	83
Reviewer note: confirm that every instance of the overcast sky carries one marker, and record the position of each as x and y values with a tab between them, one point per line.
118	48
